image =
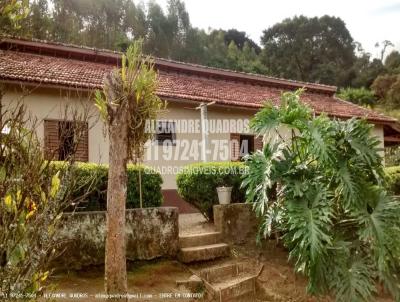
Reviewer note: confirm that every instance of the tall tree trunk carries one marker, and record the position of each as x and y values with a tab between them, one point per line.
115	262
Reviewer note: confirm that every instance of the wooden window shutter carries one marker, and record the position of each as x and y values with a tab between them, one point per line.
51	139
82	149
258	143
235	146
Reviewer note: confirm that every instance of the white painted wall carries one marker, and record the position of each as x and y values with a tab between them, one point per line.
45	103
51	104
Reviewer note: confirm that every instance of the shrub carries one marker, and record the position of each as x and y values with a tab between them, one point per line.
94	176
392	156
33	196
393	179
360	96
197	184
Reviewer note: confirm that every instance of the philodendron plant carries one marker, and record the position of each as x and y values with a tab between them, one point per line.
331	210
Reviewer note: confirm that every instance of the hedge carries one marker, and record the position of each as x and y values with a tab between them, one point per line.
197	184
393	179
93	177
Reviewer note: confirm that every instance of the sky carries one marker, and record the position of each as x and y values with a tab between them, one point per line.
368	21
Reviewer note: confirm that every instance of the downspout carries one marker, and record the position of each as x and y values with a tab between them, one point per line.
204	130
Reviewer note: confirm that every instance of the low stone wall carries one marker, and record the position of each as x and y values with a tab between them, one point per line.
237	222
150	233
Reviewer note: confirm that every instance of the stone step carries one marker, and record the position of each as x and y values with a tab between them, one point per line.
235	289
194	283
223	272
203	253
199	239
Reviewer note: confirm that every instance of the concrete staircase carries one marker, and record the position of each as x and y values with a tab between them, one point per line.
230	282
233	282
202	247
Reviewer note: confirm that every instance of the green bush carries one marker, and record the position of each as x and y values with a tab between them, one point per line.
359	96
91	179
197	184
393	179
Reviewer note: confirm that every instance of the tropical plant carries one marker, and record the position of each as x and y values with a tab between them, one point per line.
331	210
127	102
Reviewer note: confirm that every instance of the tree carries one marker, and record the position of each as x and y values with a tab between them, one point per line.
39	20
309	49
113	25
385	45
250	61
12	12
134	21
127	101
157	42
240	38
179	27
387	89
365	71
360	96
67	24
331	209
392	62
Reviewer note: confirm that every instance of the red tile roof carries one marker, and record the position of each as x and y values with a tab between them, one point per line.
107	56
232	93
177	81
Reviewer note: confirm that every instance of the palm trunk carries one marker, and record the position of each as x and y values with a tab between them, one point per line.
115	260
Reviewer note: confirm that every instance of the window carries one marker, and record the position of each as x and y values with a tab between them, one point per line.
66	134
60	140
246	145
243	144
165	133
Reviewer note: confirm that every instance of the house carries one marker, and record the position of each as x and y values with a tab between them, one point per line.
56	75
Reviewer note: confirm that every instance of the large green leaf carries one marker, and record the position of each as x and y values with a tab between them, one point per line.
308	225
353	279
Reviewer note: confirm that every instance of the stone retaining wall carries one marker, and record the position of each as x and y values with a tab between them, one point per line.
237	222
150	233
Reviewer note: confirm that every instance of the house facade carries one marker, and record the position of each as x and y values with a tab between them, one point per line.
48	77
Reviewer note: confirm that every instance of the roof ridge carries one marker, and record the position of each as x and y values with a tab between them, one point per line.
179	64
246	73
56	43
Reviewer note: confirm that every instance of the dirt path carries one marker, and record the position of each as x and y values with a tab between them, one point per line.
278	278
152	281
